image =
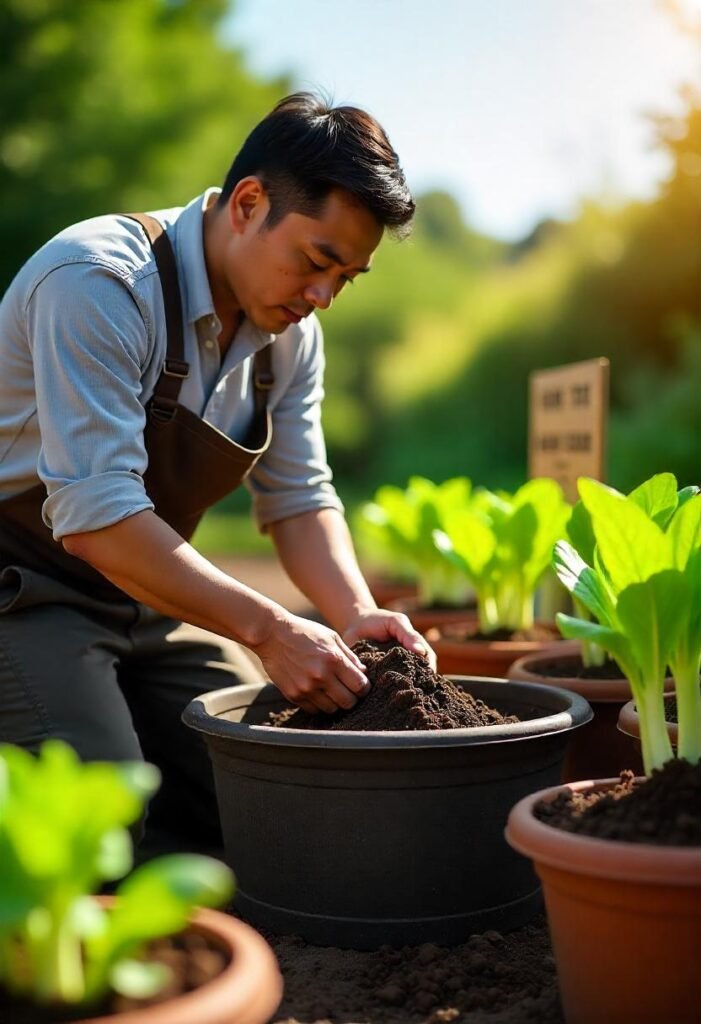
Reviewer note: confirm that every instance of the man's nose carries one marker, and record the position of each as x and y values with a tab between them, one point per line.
319	295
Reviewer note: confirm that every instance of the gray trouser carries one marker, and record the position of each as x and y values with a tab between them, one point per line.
112	679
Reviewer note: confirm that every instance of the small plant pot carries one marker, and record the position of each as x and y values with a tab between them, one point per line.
423	618
357	839
483	657
385	589
248	991
625	919
629	724
599	750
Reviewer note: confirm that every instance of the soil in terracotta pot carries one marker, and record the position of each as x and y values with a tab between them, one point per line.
405	694
192	961
571	668
489	979
664	809
461	632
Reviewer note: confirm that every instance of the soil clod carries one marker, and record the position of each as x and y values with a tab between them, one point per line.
405	694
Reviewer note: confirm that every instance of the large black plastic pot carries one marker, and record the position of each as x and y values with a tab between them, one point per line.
358	839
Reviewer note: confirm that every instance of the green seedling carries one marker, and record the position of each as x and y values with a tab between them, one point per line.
503	543
642	586
397	526
659	498
63	833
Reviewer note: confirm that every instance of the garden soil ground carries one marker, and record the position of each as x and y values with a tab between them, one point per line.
489	979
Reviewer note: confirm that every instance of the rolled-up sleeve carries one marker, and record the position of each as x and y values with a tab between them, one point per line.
89	344
294	476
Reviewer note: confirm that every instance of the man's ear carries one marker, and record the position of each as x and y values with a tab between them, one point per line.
248	204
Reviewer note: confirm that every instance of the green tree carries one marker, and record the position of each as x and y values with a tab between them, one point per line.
114	105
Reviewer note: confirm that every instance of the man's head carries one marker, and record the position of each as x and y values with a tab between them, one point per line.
304	207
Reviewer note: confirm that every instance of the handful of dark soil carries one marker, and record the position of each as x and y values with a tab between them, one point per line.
405	694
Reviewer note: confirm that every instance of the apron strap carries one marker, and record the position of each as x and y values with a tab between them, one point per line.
175	368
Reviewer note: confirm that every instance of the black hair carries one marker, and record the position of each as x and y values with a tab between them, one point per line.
304	148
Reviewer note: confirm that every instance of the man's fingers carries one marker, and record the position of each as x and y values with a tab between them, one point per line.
324	702
351	671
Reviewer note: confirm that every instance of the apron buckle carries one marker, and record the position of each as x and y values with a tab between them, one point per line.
176	368
161	409
263	380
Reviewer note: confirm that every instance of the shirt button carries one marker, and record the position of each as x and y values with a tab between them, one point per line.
209	344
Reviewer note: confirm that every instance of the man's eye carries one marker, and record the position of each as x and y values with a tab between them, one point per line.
315	266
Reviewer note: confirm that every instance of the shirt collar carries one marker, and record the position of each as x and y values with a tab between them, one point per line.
197	295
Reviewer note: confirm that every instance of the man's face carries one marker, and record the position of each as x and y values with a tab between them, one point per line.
282	274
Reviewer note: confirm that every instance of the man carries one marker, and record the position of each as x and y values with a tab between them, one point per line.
150	364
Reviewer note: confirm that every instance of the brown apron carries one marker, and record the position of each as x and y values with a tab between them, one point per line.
191	464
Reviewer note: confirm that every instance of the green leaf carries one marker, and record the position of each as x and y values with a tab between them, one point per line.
139	979
687	493
657	497
631	546
684	531
584	583
157	898
581	534
611	640
652	615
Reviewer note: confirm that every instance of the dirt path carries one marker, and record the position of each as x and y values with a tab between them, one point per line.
267	576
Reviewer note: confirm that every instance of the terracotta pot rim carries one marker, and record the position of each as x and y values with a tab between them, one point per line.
601	691
600	858
250	985
629	722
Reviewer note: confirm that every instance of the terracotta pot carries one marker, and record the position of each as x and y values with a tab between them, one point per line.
423	618
599	750
625	920
248	991
484	657
629	723
384	589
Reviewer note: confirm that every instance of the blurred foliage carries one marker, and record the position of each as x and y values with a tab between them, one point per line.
138	104
623	283
114	105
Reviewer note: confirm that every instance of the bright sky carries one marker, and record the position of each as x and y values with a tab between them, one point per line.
518	107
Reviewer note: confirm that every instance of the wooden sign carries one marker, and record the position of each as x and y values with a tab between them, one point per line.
567	423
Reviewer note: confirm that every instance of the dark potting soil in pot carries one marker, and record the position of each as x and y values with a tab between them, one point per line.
460	632
664	809
190	957
489	979
405	694
574	668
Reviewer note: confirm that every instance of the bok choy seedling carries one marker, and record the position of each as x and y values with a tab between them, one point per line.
399	524
63	833
642	585
503	543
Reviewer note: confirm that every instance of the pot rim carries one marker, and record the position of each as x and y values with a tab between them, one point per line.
204	715
599	858
250	985
629	721
601	691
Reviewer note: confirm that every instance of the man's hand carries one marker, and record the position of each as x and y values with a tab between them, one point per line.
311	665
377	624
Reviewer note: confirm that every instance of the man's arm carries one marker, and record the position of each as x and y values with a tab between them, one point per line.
317	552
143	556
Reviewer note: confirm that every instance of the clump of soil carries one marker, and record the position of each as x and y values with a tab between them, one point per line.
462	632
489	979
405	694
192	959
664	809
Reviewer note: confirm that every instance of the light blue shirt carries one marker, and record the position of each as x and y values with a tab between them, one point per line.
82	343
